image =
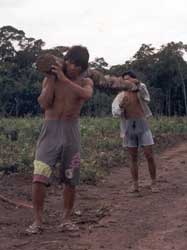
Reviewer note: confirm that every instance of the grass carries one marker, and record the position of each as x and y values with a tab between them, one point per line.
101	144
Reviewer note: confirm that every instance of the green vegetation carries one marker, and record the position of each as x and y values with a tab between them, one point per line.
101	144
163	69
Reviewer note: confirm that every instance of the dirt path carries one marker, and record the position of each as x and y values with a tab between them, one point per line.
109	219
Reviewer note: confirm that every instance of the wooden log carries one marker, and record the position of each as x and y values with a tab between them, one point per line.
15	203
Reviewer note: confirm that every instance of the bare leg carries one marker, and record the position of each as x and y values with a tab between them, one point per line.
69	199
148	152
133	152
38	196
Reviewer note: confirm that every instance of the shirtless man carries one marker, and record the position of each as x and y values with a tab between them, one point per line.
135	129
62	97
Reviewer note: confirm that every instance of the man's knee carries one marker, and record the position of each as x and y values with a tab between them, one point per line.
42	172
149	156
69	186
134	157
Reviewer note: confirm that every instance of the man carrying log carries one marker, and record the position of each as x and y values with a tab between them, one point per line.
64	91
135	129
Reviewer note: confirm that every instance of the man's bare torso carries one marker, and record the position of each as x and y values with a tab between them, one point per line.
66	103
132	106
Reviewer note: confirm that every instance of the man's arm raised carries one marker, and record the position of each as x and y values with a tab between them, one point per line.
47	95
84	92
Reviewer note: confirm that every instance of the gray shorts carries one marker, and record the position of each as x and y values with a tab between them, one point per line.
137	133
59	140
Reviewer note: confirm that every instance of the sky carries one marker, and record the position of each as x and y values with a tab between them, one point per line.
113	29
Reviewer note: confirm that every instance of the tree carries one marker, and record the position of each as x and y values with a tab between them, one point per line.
170	74
99	64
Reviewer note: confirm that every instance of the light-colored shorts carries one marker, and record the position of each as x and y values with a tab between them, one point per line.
137	133
59	140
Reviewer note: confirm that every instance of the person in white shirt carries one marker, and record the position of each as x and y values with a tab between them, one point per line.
132	107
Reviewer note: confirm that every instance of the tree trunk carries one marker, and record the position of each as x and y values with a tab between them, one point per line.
183	88
168	102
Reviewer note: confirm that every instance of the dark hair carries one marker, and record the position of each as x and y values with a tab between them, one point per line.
78	55
129	73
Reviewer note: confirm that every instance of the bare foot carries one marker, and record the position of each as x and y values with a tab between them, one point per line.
134	188
34	229
68	226
134	191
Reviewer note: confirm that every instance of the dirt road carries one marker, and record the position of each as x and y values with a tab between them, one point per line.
109	218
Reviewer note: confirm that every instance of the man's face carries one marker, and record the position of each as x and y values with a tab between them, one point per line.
130	79
71	70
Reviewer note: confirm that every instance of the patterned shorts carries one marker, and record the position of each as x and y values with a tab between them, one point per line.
59	140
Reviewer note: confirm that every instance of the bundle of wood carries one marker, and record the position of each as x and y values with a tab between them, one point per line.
104	82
